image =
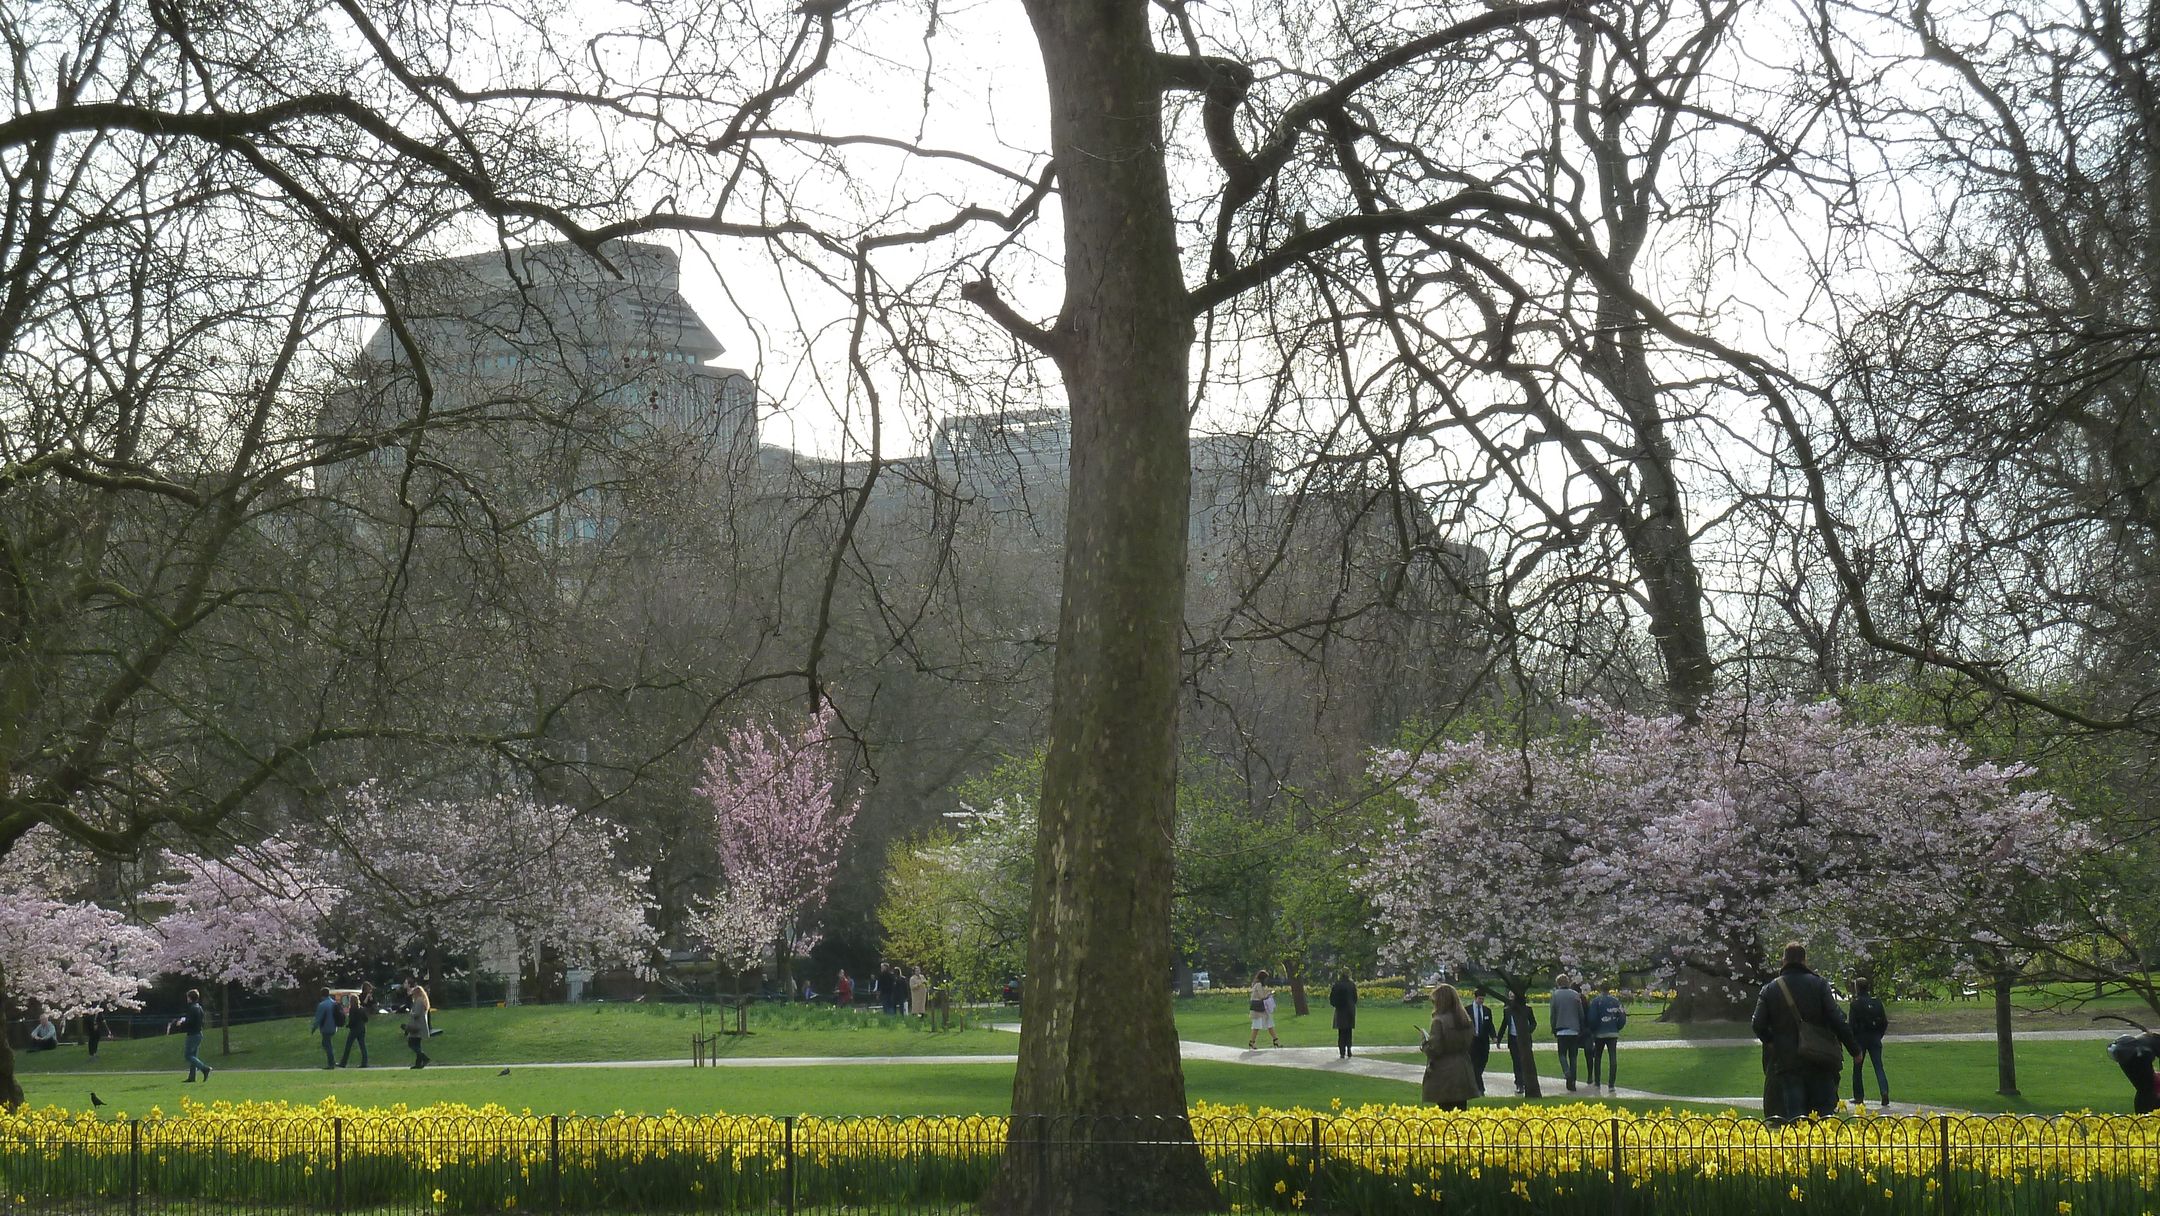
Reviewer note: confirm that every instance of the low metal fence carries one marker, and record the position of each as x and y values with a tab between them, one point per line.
216	1161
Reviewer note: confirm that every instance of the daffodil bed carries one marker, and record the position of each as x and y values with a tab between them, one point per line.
1391	1159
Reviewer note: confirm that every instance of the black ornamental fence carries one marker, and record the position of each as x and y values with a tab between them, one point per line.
1511	1160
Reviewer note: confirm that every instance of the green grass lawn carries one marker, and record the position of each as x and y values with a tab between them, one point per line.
545	1033
2053	1076
869	1089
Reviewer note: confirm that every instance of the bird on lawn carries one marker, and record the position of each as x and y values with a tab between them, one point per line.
95	1100
504	1073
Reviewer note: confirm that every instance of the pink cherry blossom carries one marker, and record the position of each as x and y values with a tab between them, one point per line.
778	826
1651	841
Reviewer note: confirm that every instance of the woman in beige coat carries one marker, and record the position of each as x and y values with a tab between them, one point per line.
1449	1084
918	994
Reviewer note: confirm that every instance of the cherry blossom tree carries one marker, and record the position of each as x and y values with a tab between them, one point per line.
501	874
1651	841
250	919
58	949
778	824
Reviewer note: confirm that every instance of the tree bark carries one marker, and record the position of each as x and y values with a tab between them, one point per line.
2005	1046
11	1093
1098	1051
1701	997
1294	971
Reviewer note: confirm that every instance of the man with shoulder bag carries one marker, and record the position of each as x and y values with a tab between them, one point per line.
1805	1035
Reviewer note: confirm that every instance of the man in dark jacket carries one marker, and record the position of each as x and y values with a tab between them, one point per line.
1799	996
1343	997
1520	1022
1484	1031
1869	1023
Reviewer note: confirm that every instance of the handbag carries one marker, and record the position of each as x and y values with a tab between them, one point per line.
1818	1047
1258	1006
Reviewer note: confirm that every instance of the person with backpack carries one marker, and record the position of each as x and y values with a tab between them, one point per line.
1807	1035
1607	1018
1869	1023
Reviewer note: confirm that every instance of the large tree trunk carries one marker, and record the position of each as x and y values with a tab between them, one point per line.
1701	997
1294	971
1098	1039
11	1094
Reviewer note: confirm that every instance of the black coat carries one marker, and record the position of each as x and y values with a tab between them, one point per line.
1777	1026
1484	1025
1343	996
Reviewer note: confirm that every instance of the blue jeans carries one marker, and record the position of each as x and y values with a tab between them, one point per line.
1872	1050
356	1034
193	1050
1607	1053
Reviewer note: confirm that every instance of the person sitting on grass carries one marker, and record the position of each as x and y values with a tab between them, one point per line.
45	1036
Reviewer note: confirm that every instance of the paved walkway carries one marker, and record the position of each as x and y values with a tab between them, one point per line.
1316	1059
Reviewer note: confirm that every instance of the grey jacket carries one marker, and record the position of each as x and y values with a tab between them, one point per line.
1567	1012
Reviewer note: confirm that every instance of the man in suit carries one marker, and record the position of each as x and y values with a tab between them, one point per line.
1483	1031
1799	996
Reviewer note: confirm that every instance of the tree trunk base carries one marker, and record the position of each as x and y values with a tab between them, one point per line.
1056	1166
1706	998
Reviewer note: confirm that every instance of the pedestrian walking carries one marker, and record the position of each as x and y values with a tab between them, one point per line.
1261	1004
1484	1031
1448	1082
418	1022
1797	1019
325	1023
918	993
191	1021
357	1013
843	991
95	1030
1520	1026
1567	1026
1870	1022
1343	998
888	988
1607	1017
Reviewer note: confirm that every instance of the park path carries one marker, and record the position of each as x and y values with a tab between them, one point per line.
1316	1059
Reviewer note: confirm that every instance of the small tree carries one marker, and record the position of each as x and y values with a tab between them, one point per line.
251	919
66	953
1715	840
463	873
778	824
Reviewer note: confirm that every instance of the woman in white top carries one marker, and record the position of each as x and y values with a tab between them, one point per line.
1263	1013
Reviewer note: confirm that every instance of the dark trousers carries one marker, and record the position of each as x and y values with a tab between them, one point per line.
1569	1044
355	1034
1520	1055
417	1042
329	1048
1871	1049
1480	1052
1606	1051
1342	1040
1808	1091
